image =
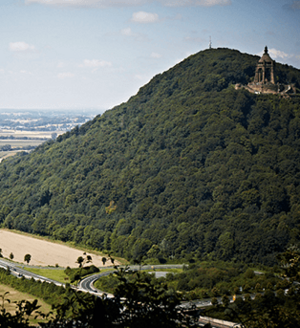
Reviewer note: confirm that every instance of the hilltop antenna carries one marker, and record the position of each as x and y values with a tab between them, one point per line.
209	45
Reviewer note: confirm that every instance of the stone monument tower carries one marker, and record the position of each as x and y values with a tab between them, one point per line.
264	79
264	72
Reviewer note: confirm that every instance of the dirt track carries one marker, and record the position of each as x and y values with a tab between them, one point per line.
42	252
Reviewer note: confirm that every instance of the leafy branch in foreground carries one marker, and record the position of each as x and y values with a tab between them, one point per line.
269	309
139	301
24	309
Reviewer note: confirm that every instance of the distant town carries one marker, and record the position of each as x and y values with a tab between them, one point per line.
24	130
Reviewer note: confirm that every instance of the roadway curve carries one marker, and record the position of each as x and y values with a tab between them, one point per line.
87	284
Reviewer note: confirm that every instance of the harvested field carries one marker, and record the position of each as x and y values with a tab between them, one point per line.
5	154
30	134
16	296
43	253
21	142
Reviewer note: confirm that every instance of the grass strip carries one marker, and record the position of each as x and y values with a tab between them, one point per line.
51	273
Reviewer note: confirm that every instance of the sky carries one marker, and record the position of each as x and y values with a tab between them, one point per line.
96	54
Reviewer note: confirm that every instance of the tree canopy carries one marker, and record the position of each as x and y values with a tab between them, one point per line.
189	166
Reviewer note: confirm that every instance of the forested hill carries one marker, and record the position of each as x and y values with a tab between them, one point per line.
194	168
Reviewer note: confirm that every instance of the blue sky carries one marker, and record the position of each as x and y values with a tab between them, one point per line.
73	54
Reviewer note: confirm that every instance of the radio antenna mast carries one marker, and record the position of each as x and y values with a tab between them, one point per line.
209	45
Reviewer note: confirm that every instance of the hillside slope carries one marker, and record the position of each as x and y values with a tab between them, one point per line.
194	168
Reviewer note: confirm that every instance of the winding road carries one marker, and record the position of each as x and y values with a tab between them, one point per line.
86	284
16	271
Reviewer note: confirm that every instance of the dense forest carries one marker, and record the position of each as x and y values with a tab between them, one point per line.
188	168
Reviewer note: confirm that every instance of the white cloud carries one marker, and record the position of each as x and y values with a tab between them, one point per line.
295	5
60	65
25	72
65	75
127	31
139	77
138	36
20	47
278	54
126	3
274	54
88	3
202	3
143	17
95	63
155	55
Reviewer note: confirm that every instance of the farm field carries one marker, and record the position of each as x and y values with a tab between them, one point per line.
21	142
43	253
16	296
17	134
35	138
29	134
5	154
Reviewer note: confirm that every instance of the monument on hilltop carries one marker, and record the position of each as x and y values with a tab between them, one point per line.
264	73
264	79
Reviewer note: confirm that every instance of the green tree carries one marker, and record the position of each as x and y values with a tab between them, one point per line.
11	256
27	258
290	263
268	310
88	259
258	287
225	300
111	208
214	301
80	261
83	260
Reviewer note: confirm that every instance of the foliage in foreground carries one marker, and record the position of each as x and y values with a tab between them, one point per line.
137	303
21	317
209	279
141	302
50	293
268	309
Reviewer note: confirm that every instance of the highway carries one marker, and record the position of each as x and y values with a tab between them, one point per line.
16	271
87	284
